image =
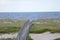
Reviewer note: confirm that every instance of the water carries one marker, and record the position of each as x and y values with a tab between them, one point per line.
41	36
29	15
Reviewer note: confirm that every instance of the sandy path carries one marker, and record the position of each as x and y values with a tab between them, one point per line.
42	36
45	36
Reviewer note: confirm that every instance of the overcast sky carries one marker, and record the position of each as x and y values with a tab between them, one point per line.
29	5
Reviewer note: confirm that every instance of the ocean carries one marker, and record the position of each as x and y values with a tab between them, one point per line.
29	15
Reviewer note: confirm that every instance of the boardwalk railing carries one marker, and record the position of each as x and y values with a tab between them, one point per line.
24	31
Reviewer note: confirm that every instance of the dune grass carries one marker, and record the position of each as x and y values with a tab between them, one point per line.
10	25
43	25
38	26
29	38
57	39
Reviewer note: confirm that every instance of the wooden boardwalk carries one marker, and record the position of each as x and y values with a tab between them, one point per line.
24	31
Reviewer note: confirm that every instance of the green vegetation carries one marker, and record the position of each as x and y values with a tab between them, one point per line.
10	25
57	39
38	26
43	25
8	39
8	29
29	38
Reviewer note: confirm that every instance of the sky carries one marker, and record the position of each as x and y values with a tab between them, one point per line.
29	5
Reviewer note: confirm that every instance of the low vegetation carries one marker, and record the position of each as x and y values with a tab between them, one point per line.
43	25
29	38
38	26
57	39
10	25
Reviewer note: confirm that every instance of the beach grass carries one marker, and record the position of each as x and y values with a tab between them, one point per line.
10	25
57	39
43	25
38	26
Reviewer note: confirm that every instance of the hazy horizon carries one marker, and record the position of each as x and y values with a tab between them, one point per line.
29	15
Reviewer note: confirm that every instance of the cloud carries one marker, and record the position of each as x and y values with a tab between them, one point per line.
29	5
3	2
